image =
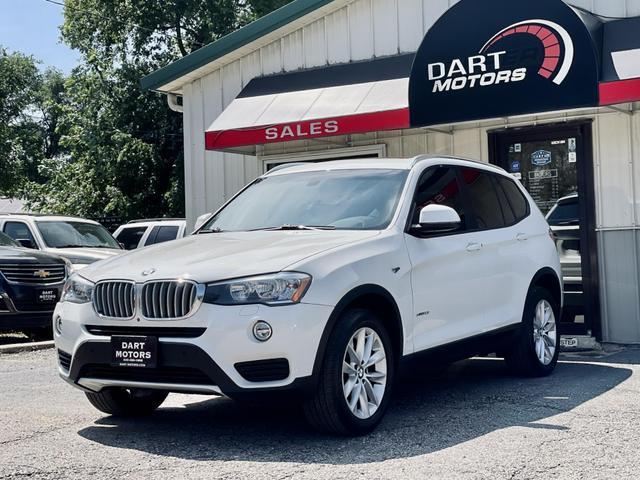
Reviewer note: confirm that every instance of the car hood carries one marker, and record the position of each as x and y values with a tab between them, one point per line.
218	256
15	254
85	255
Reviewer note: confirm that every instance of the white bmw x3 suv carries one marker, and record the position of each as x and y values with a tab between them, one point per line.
320	280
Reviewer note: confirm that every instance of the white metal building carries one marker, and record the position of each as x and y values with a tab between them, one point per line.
310	36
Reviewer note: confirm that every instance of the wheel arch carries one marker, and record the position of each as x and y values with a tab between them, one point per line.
372	297
547	278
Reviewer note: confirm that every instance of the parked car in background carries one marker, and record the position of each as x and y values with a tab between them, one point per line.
318	280
564	220
79	240
142	233
30	287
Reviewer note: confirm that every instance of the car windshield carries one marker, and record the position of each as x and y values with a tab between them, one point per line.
338	199
565	213
7	241
70	234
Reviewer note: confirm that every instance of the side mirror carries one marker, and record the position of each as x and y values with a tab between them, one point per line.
201	220
436	218
26	243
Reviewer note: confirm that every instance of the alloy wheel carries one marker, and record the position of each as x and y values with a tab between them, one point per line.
545	334
364	373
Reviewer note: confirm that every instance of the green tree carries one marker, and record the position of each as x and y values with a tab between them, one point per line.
121	148
29	112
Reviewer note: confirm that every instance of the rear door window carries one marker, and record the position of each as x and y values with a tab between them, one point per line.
161	234
130	237
483	199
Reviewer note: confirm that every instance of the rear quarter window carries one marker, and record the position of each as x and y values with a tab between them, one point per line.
516	198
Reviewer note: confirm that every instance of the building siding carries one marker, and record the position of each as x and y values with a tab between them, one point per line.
369	28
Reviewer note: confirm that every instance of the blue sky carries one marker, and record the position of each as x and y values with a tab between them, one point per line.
32	27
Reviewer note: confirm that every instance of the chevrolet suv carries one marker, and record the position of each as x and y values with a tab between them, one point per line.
321	280
30	286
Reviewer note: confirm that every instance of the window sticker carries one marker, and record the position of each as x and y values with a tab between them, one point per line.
542	174
541	158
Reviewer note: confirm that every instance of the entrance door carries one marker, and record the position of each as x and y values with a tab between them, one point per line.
555	164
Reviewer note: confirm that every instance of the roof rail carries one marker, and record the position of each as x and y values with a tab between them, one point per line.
285	165
421	158
143	220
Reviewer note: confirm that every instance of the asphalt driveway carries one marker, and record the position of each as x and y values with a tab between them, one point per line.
474	422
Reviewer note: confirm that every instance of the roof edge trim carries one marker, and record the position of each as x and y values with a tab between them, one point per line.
227	44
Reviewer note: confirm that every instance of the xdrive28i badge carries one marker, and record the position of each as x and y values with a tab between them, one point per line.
493	58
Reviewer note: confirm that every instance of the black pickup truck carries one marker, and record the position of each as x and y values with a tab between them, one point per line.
30	286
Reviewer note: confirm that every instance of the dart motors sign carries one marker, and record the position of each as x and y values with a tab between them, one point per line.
493	58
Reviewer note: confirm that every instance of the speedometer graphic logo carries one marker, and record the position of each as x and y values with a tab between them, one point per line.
556	41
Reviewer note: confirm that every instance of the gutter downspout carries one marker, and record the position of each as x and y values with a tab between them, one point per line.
172	101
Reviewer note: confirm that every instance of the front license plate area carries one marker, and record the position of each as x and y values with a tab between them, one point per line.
48	296
134	351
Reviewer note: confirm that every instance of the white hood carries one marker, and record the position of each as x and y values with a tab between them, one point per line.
218	256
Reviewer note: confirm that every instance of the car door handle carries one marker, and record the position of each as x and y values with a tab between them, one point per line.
474	247
521	237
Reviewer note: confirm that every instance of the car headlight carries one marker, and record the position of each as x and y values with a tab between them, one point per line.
77	290
275	289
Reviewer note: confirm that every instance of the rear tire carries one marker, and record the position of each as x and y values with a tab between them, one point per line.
356	377
535	348
126	402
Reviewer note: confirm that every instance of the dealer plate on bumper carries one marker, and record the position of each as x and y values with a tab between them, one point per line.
134	351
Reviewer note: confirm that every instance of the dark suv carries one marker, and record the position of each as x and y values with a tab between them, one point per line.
30	286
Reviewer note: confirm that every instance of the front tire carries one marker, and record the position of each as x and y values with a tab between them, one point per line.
126	402
535	349
356	377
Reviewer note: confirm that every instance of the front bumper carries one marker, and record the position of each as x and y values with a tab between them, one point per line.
24	320
13	319
206	363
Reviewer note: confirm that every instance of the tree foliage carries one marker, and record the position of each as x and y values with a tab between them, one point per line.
105	147
29	113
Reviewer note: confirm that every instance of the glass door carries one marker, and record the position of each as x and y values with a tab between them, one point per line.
555	165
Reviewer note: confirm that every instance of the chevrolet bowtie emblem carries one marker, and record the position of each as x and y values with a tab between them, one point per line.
42	273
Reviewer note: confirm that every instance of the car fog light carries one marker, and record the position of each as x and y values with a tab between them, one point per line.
262	331
58	325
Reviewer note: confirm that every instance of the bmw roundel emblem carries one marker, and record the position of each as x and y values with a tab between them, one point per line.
148	271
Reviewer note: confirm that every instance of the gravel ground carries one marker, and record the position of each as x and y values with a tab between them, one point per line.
474	422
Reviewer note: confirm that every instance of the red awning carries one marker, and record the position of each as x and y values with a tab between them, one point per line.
308	114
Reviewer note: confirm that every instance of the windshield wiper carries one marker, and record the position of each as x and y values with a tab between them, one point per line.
287	226
210	230
71	245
